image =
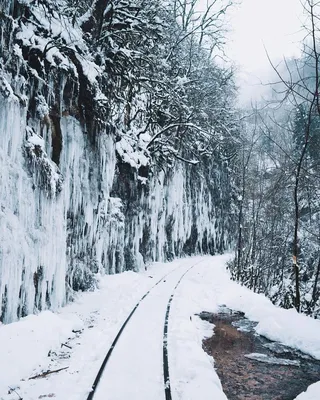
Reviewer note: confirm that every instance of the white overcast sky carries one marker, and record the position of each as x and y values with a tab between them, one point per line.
275	24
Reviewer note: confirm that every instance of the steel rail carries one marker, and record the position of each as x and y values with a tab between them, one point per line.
166	375
107	357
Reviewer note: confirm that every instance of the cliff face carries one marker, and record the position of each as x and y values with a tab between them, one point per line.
59	227
80	197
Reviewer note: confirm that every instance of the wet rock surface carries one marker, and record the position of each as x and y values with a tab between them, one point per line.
252	367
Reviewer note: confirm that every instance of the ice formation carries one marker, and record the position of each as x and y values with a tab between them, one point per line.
78	197
61	226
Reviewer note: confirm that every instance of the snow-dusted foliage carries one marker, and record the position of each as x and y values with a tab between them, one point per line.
278	244
117	137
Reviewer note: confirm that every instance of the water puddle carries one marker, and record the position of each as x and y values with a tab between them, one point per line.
252	367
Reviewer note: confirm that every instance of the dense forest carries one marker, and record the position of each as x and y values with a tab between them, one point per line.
121	143
278	240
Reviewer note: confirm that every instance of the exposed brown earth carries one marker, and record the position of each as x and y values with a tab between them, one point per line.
246	379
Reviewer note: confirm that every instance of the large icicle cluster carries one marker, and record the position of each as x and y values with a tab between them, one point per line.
53	245
84	188
33	232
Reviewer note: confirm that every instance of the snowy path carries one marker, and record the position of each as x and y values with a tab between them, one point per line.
48	342
138	355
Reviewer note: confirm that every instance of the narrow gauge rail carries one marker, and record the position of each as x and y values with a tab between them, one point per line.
166	375
165	349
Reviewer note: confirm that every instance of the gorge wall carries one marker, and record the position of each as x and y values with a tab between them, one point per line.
81	193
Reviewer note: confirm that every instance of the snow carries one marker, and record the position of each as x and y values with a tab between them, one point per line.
36	140
272	360
125	149
285	326
89	325
102	313
31	339
312	393
141	348
91	70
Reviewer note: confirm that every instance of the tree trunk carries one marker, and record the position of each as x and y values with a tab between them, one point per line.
295	241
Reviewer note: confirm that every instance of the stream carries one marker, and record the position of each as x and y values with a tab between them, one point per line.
250	366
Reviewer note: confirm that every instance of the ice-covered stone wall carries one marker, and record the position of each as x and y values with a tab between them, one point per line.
83	189
60	226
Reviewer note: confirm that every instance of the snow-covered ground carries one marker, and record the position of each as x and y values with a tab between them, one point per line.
79	335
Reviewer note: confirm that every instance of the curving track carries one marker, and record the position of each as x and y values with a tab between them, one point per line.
166	375
139	366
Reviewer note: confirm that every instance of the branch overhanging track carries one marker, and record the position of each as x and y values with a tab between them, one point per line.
107	357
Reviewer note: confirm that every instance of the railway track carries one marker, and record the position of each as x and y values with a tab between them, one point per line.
166	376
